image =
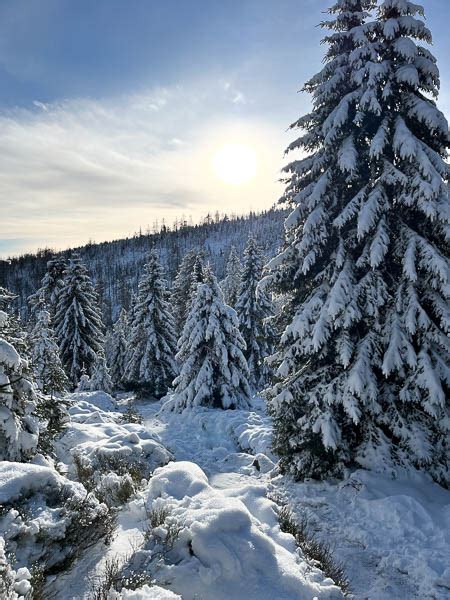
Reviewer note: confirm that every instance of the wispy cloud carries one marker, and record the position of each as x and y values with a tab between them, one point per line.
81	169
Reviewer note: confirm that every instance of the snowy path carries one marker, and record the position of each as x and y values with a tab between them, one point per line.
225	445
393	536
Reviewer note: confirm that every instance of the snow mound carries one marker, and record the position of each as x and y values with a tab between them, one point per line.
101	400
148	593
221	550
21	480
178	480
102	442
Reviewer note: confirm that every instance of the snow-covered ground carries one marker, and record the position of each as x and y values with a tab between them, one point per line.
392	535
217	534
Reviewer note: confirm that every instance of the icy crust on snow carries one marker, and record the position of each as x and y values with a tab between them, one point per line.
392	535
99	439
222	550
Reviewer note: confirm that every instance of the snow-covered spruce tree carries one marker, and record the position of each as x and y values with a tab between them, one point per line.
363	366
118	349
100	379
151	364
46	363
214	371
19	430
78	324
50	379
181	289
231	285
254	307
51	285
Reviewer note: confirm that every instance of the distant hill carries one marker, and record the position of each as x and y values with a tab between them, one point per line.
116	266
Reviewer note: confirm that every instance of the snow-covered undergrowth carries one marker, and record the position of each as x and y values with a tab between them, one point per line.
50	513
221	543
14	585
392	535
45	518
108	455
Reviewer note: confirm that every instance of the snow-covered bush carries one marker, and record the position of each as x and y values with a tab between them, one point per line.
109	456
14	585
84	385
19	431
47	518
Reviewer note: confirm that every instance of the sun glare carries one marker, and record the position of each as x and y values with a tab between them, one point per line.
235	164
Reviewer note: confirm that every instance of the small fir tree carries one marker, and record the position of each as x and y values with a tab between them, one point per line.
214	371
78	324
84	385
47	367
254	308
101	379
151	364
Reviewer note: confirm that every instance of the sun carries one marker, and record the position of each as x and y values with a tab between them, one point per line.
235	164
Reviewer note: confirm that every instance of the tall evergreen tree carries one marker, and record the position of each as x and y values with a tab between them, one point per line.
363	366
47	367
19	430
231	285
214	371
78	324
151	364
181	289
51	286
254	307
118	349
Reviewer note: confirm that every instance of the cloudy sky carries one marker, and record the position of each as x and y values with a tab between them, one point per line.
115	113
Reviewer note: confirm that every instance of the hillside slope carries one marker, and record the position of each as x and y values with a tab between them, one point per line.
115	266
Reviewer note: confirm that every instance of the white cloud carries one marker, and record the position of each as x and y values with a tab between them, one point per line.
82	169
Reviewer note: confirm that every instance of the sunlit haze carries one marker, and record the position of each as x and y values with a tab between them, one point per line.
115	116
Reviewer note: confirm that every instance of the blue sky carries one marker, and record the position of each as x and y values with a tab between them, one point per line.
112	109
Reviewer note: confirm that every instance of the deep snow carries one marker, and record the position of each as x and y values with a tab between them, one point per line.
392	535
